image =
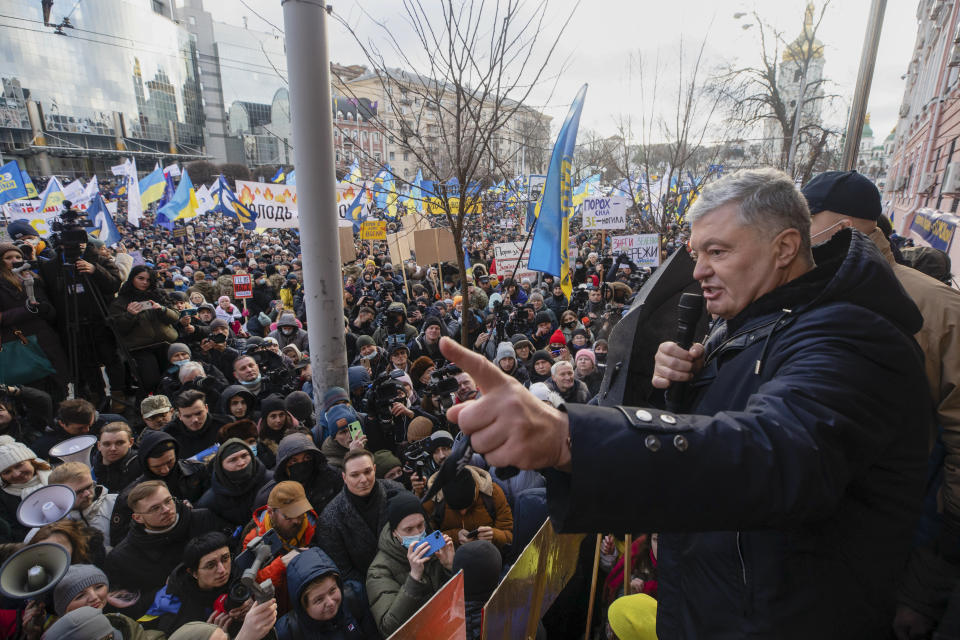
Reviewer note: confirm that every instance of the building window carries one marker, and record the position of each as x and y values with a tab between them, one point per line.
391	155
192	20
365	137
406	155
376	137
338	156
797	75
377	157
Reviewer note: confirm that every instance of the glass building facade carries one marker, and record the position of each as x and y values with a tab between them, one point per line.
120	57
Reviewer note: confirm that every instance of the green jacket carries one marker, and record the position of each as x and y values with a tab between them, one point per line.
146	328
130	629
394	596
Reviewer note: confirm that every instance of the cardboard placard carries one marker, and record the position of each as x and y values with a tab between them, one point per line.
605	212
444	616
348	252
433	246
242	286
531	585
373	230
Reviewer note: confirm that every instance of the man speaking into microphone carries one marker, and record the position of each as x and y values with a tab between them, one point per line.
786	489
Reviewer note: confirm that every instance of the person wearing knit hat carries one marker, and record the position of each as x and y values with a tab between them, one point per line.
419	428
481	564
634	617
86	623
506	360
339	419
335	395
23	473
179	352
388	465
420	372
84	585
401	577
219	323
428	342
542	361
558	347
586	371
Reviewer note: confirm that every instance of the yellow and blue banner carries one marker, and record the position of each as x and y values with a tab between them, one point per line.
12	186
182	206
549	249
152	187
279	177
28	182
104	228
355	210
53	195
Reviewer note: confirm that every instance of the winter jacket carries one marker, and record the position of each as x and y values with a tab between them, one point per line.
276	571
232	501
345	536
15	316
478	514
334	452
96	516
393	595
149	327
143	560
578	393
797	474
10	497
931	574
181	600
115	477
193	442
130	629
324	482
352	621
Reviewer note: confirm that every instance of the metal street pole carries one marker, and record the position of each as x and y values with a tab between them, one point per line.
308	72
858	109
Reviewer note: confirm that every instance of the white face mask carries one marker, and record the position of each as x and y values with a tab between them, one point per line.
823	231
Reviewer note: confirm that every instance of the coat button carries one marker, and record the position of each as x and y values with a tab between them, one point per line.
680	443
652	443
643	415
666	418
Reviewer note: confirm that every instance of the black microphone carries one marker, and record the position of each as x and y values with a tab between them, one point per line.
689	310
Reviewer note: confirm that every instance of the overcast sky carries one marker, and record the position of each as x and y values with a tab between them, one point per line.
604	33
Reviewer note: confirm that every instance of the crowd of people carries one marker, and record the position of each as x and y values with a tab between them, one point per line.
209	446
208	442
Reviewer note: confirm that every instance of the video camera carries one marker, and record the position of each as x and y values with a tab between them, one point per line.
416	458
443	384
69	233
384	391
261	551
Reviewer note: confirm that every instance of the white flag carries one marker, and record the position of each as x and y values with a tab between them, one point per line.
134	206
120	169
204	200
73	191
173	170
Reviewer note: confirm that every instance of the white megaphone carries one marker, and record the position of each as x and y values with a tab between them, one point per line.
75	449
46	505
33	570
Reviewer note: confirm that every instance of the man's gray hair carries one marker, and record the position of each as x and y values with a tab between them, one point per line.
190	369
555	367
767	200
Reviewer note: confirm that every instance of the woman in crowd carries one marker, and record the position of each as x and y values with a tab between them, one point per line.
542	361
145	321
237	477
586	370
21	473
275	420
321	608
19	317
82	542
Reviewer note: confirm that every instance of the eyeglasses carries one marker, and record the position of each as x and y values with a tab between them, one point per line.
223	559
157	509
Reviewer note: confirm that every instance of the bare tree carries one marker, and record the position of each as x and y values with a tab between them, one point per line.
784	95
456	91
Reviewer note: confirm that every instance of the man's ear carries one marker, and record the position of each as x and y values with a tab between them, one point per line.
137	518
787	246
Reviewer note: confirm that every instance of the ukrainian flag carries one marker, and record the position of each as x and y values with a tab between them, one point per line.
28	182
278	177
183	205
548	251
355	211
53	195
585	189
228	204
151	187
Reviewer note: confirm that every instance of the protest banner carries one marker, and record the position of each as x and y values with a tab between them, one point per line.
936	229
507	255
242	286
609	212
29	210
373	230
274	204
443	617
531	586
643	248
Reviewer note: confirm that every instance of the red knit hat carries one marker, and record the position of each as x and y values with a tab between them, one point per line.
558	338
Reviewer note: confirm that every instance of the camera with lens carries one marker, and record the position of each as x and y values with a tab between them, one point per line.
579	298
417	458
69	233
271	367
443	385
384	391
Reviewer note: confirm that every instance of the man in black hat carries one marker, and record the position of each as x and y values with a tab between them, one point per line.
428	343
845	199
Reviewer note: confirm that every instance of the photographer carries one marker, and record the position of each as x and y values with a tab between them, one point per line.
389	412
215	348
262	373
72	279
144	317
395	328
17	314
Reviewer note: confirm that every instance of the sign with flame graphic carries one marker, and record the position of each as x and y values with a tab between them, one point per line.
275	204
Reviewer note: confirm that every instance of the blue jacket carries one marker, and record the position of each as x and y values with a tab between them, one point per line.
787	497
353	620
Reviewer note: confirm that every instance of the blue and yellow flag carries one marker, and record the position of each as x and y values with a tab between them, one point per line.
279	176
104	228
12	186
228	204
183	205
549	249
28	182
292	177
53	195
355	211
152	186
